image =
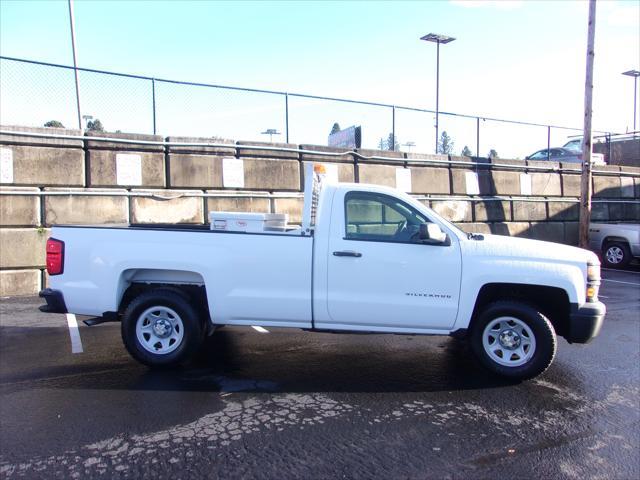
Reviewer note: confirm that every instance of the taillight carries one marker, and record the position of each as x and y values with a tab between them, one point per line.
55	256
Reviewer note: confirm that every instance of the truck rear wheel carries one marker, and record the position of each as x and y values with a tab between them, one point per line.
514	340
160	328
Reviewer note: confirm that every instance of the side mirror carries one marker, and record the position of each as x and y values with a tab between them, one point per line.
432	231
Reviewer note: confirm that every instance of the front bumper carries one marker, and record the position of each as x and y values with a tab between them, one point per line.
55	301
585	322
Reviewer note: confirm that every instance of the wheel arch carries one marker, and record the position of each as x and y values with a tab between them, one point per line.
552	302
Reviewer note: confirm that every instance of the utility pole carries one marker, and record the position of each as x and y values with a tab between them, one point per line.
585	184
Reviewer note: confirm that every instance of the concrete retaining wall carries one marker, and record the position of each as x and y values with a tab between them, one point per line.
47	181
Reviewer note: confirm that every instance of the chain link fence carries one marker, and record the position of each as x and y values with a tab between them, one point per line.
33	93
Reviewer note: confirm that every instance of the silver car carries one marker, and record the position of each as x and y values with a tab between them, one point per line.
617	242
567	155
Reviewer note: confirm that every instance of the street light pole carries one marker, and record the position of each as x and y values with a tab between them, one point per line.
635	74
437	39
75	61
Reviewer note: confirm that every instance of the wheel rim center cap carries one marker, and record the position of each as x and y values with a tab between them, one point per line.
162	328
509	339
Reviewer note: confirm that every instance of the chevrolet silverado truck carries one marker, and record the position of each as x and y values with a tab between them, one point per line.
618	243
365	259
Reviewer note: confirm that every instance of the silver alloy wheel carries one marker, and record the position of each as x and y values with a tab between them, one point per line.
159	330
614	255
509	341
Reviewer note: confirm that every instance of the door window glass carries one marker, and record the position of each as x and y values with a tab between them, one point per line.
380	217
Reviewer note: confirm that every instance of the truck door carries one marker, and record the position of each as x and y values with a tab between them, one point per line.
381	275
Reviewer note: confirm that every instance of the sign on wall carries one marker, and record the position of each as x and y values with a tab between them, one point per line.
232	172
403	179
128	169
6	165
525	184
472	184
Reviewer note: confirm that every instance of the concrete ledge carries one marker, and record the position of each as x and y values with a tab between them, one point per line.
416	159
223	151
570	185
251	152
41	166
85	209
607	187
14	283
627	187
103	173
430	180
547	231
546	184
19	210
377	174
22	247
453	210
271	174
528	211
563	211
236	204
292	206
41	141
167	207
395	157
571	233
138	147
504	183
308	157
195	171
492	211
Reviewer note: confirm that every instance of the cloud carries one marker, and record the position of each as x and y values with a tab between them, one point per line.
499	4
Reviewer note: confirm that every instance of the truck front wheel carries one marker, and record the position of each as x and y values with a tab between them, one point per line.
160	328
513	339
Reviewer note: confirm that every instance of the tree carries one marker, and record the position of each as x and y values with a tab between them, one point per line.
335	128
392	143
445	144
466	152
493	154
54	123
95	126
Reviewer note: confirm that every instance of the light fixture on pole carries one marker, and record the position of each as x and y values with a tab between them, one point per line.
409	145
635	74
271	132
86	119
437	39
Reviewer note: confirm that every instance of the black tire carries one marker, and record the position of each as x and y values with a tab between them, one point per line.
192	329
544	336
613	251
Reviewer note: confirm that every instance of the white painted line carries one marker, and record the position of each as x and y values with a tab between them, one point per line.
619	271
260	329
602	296
74	333
619	281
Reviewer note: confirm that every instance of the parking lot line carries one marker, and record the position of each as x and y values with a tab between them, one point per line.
620	281
260	329
74	334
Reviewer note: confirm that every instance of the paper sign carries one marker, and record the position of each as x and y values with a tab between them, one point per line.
471	180
6	165
331	173
403	179
525	184
232	172
128	169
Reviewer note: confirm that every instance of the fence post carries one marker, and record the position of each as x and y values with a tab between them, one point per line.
548	142
286	116
393	127
477	136
153	100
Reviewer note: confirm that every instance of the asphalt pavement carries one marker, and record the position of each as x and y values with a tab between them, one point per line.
293	404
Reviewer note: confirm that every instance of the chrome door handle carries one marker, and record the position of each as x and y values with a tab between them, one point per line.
347	253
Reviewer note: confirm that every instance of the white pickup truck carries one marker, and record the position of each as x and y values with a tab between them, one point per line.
366	259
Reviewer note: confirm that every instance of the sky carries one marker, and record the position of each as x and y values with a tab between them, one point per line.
517	60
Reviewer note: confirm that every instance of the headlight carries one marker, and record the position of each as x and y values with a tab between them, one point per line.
593	282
